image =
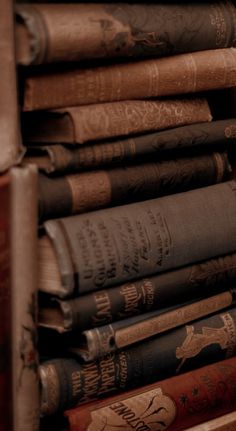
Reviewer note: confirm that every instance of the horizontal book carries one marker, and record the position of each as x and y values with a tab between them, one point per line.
98	342
64	158
172	404
108	247
223	423
80	193
77	125
66	32
67	382
144	79
103	307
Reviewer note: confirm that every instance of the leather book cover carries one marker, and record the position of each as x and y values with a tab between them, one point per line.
10	141
88	191
103	307
223	423
81	124
5	308
114	245
54	33
24	298
67	159
67	382
143	79
171	405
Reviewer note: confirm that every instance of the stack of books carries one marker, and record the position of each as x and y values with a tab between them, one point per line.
137	233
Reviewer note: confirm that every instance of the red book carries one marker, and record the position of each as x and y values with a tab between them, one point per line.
5	306
173	404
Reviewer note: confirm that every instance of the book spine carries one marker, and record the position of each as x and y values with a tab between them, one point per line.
24	298
173	404
5	308
66	382
11	149
115	245
195	72
64	159
74	194
130	30
121	302
98	342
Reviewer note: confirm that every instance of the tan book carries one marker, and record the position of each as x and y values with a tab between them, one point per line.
10	147
24	298
71	32
179	74
77	125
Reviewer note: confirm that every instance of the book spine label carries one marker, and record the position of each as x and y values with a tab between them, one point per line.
74	194
100	341
5	308
173	404
66	382
130	30
115	245
194	72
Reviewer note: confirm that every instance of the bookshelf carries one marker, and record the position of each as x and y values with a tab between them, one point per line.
10	145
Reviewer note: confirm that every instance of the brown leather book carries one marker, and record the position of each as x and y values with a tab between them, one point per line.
179	74
172	405
78	125
108	247
65	158
88	191
66	32
24	298
5	308
10	143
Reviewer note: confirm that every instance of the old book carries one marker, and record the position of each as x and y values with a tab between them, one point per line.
141	296
5	308
79	193
24	297
67	382
223	423
62	158
199	71
99	249
108	120
98	342
172	404
52	33
10	143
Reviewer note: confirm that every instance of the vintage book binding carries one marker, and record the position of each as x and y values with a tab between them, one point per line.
98	342
80	193
171	405
62	158
194	72
140	296
10	142
223	423
5	308
66	382
108	120
52	33
111	246
24	297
